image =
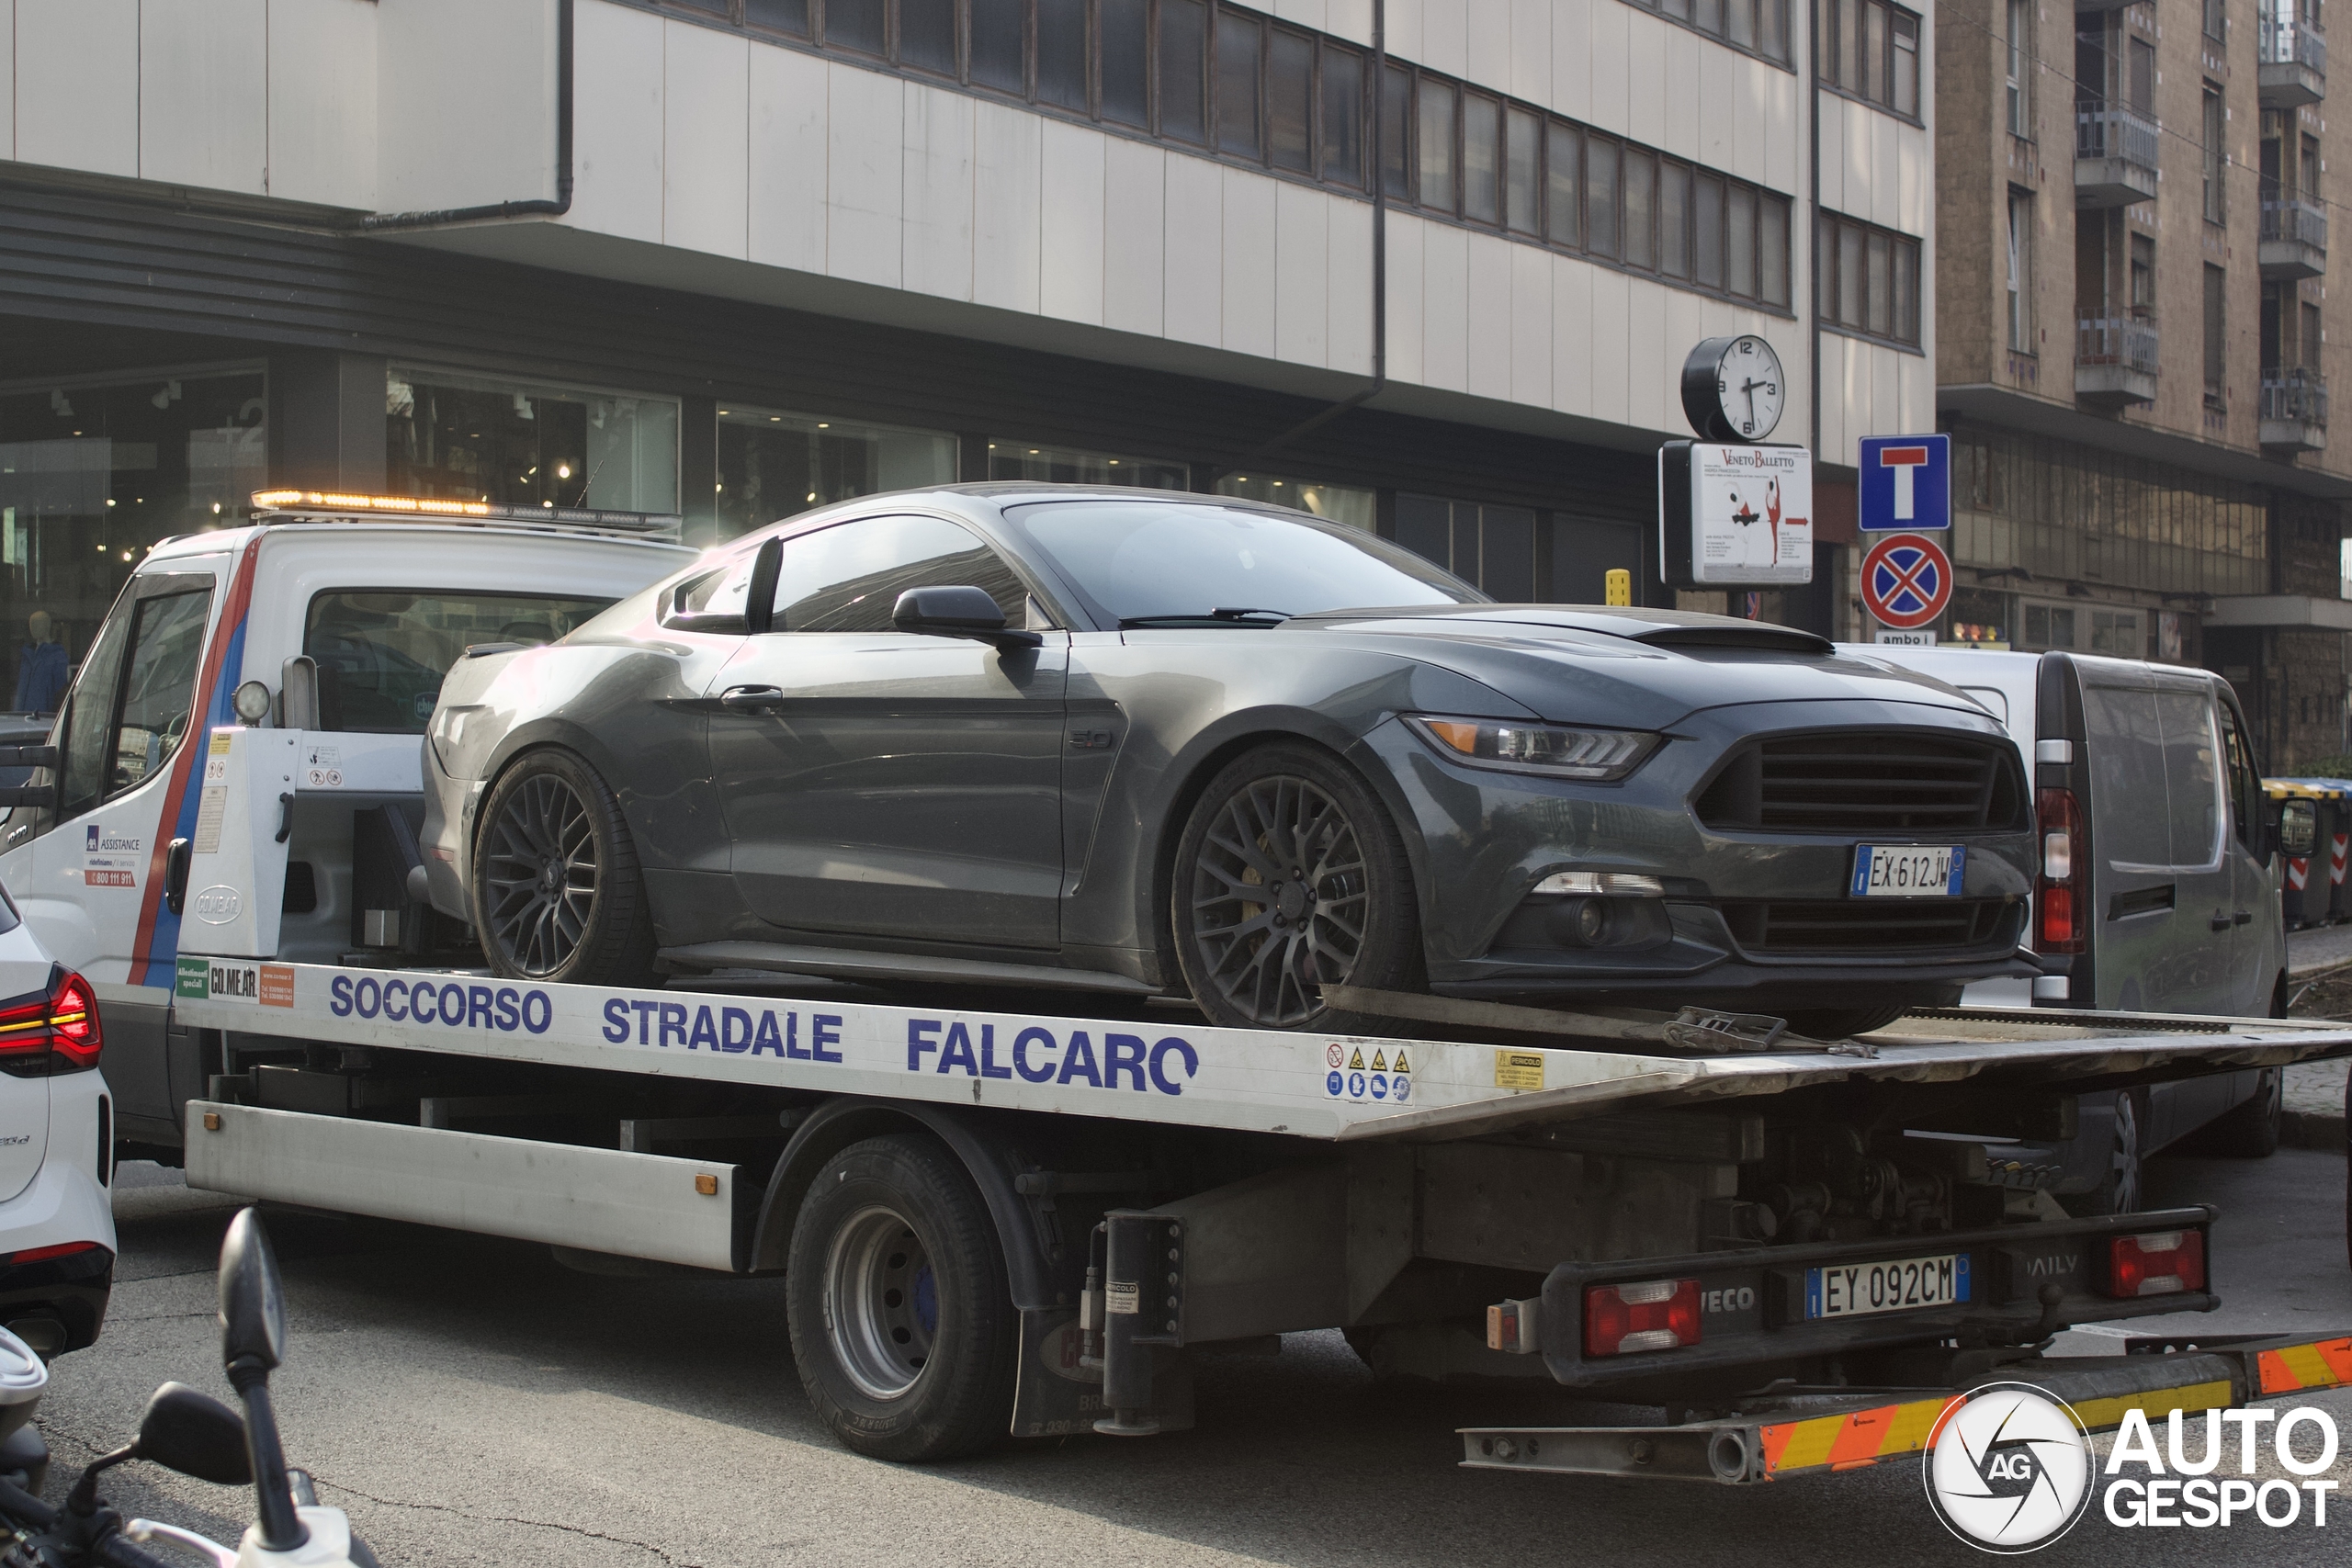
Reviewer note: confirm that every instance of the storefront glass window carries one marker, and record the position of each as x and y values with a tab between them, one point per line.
1341	503
1058	465
90	477
772	465
463	437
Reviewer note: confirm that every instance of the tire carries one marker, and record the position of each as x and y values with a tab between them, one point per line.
895	1292
2118	1190
2249	1129
1837	1023
557	894
1291	820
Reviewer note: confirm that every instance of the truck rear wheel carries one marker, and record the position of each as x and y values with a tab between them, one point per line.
557	895
901	1318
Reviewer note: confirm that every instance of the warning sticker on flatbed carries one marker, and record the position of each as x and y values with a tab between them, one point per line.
1518	1069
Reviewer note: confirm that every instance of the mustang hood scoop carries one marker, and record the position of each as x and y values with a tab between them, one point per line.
1677	629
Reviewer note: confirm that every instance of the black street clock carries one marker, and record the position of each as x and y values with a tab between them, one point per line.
1732	388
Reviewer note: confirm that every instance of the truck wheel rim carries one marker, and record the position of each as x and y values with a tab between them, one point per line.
541	868
881	1302
1280	896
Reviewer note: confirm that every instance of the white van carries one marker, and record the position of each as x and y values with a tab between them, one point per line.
359	603
2159	890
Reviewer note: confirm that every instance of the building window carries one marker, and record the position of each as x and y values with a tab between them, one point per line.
2216	23
1870	281
1060	465
522	444
2143	274
1490	547
1339	504
92	475
1247	88
772	463
2216	120
1871	51
2217	336
2020	68
2020	272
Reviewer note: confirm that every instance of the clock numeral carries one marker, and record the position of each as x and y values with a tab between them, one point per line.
1748	427
1772	388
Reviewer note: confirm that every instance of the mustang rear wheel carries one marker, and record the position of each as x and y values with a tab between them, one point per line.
557	892
1290	877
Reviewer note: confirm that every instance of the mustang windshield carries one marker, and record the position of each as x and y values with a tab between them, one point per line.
1172	562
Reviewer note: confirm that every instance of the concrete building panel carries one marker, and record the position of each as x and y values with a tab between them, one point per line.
1611	27
1647	105
1195	229
1407	312
1070	232
1572	368
323	103
1489	323
1249	260
1350	19
1572	55
204	118
1488	45
1612	346
866	177
1531	333
705	108
617	149
1007	203
1530	50
1302	275
466	94
77	85
1445	308
936	244
1348	291
787	161
1134	248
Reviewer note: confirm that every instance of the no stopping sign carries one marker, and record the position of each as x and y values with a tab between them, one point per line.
1906	581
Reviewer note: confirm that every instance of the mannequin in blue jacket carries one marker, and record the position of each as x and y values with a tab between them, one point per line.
41	666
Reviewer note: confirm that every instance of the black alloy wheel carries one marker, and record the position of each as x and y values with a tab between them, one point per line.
1289	877
557	893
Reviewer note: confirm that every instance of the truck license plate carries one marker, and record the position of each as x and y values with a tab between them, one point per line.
1909	871
1858	1290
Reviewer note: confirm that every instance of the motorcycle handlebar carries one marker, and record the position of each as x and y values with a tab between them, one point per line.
123	1553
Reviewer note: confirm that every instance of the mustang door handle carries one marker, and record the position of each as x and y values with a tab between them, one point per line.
750	697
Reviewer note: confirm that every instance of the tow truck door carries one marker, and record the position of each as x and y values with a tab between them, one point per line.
88	874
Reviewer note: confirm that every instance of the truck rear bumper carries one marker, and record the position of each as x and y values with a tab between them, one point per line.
1828	1432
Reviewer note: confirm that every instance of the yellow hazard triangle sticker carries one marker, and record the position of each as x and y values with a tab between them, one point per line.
1400	1066
1355	1062
1379	1061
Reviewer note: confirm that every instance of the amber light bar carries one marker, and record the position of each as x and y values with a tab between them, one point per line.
277	500
328	502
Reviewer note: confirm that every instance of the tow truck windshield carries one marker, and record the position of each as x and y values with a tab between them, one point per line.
382	656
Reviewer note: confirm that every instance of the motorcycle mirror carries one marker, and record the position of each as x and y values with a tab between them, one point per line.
253	1306
195	1434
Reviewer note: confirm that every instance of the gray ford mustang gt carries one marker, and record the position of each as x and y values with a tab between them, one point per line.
1143	742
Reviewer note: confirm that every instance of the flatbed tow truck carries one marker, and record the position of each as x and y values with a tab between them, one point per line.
1798	1254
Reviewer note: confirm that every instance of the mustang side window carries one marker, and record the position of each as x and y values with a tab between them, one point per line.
848	578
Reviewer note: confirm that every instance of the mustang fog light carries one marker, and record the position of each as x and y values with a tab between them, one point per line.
2160	1263
1656	1314
1554	750
1623	884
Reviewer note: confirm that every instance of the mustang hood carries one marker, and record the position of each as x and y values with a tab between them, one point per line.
1641	668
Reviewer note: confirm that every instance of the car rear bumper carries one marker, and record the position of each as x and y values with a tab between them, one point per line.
64	1206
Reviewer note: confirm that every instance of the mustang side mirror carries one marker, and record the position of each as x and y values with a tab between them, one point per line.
2298	827
196	1434
958	612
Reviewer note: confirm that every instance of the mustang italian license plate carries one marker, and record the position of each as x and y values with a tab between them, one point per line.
1909	871
1858	1290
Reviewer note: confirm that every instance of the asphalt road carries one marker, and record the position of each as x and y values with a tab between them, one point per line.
470	1402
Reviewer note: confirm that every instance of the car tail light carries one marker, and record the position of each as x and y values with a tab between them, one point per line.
2160	1263
38	1253
57	1032
2064	886
1656	1314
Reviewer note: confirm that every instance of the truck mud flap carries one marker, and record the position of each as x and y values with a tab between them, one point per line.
634	1206
1826	1435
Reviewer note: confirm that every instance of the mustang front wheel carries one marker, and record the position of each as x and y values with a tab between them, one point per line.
1289	878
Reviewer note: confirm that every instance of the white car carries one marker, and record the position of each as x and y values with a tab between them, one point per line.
57	1242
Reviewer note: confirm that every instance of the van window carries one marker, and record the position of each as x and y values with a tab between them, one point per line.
382	654
2241	776
136	693
2156	779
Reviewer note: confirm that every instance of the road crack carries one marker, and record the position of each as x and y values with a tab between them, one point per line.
647	1547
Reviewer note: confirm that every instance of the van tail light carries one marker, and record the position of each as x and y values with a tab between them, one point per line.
2063	893
2160	1263
56	1033
1656	1314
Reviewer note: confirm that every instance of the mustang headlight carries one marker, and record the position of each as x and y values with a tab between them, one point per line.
1552	749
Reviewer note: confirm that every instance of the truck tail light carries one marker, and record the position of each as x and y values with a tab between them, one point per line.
2160	1263
1656	1314
2063	889
54	1034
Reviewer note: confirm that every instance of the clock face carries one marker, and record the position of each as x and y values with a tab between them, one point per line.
1748	389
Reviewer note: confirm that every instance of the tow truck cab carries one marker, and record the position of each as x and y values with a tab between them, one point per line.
335	617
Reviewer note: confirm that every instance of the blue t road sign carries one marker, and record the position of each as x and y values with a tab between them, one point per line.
1906	483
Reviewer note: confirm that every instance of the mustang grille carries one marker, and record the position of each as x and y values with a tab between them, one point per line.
1869	925
1865	782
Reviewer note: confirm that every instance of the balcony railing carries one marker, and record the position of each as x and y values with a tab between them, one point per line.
2295	397
2129	342
2112	130
2292	219
2281	41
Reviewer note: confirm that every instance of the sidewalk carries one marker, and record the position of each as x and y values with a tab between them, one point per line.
2322	947
2314	1090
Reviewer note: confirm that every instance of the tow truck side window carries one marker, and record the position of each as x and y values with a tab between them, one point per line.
382	656
136	695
